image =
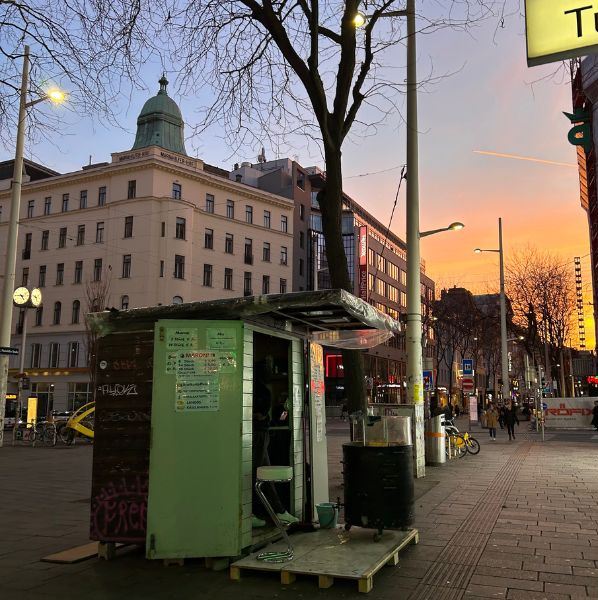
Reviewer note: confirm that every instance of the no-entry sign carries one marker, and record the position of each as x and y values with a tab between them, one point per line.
560	29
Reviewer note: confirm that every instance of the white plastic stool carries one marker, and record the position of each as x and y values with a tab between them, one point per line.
272	475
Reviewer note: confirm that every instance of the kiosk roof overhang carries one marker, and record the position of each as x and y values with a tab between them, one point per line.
322	310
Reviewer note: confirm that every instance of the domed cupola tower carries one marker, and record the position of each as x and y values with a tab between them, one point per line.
160	123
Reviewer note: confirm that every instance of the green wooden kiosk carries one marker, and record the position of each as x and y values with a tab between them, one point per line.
174	404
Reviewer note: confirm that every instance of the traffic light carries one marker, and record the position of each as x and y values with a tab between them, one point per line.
581	132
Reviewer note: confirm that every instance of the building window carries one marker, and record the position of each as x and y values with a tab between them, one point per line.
228	279
73	354
300	266
403	299
209	203
132	189
83	199
79	394
97	269
284	256
128	227
42	276
266	252
301	180
59	273
45	238
65	202
247	284
27	249
25	276
54	356
266	284
124	302
48	205
301	239
80	235
100	232
249	214
177	191
102	196
208	239
62	237
267	219
229	243
126	266
161	268
179	266
39	315
207	275
30	208
177	300
248	251
284	224
163	229
302	212
57	312
78	271
230	209
180	230
283	286
36	356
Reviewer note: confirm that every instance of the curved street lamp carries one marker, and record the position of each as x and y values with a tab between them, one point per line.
56	96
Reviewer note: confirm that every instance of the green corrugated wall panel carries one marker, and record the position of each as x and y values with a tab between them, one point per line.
195	482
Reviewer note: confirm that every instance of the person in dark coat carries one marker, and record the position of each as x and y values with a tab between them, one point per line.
595	415
510	418
501	416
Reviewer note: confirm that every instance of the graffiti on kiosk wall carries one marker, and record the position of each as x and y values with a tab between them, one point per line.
118	389
120	510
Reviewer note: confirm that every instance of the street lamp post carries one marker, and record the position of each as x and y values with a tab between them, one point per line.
13	230
503	314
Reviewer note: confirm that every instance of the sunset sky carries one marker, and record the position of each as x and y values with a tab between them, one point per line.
486	102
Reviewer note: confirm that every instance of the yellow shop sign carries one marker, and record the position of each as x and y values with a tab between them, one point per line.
560	29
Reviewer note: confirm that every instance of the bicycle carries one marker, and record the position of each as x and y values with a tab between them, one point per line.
460	440
43	432
455	445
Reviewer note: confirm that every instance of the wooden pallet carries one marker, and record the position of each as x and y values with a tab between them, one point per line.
334	553
77	554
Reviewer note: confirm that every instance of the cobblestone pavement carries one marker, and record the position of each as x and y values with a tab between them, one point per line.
519	521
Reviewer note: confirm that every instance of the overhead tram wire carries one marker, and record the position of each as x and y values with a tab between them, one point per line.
394	206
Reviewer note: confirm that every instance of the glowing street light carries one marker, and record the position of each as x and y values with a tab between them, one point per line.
56	96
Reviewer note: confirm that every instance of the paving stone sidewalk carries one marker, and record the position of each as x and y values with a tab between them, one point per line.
519	521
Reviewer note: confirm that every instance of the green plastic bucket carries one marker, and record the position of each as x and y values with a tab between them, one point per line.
327	515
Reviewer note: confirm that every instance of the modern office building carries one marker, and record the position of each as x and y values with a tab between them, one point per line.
377	261
152	226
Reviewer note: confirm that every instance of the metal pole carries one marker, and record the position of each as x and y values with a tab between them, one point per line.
11	245
21	371
414	317
503	320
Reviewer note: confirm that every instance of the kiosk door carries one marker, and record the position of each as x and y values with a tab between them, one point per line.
194	503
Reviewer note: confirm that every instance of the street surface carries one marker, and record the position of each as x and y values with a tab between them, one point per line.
518	521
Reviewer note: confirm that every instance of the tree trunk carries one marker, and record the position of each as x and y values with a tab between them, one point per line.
331	202
562	373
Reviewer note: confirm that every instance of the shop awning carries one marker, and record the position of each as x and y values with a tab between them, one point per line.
327	314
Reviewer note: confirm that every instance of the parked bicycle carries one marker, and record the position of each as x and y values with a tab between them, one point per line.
459	443
39	432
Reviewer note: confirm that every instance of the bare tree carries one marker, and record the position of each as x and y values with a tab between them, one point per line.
97	298
540	286
90	48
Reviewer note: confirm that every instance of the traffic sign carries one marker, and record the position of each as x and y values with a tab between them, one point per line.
467	384
428	381
467	366
8	351
544	405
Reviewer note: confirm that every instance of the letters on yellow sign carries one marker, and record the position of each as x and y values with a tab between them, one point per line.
560	29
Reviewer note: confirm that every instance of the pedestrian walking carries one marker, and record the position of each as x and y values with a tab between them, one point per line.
595	415
492	420
448	412
344	412
510	418
457	410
